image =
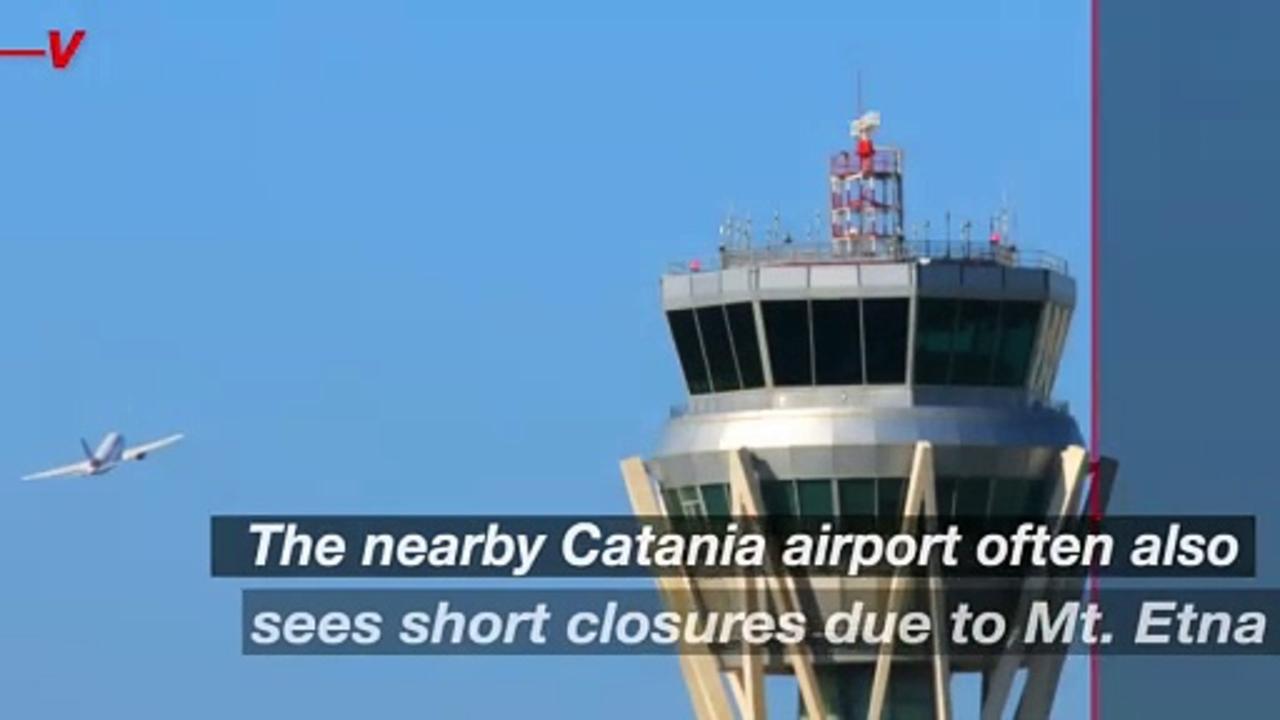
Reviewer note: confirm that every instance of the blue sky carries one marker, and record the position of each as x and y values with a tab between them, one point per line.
400	258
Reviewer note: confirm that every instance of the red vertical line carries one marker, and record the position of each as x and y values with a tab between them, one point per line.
1095	295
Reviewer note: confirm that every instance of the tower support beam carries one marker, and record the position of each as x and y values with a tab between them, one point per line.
1064	504
746	501
921	499
699	668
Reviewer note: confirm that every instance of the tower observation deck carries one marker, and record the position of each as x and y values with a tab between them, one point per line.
861	376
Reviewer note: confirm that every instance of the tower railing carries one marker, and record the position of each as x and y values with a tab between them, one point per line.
876	250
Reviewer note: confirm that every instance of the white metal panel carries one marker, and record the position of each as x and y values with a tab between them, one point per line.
784	278
676	289
884	276
706	285
735	280
834	276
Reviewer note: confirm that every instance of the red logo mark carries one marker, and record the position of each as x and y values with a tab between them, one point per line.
58	53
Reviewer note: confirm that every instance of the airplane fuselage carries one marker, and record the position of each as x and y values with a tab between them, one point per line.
107	455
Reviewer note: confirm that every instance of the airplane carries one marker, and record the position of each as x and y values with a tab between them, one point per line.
110	453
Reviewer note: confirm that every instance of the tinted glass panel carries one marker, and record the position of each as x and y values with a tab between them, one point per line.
910	690
685	333
946	488
837	342
972	496
690	501
889	496
671	499
715	498
1018	324
786	327
742	326
1038	496
977	330
858	496
885	328
935	333
815	497
715	339
845	690
779	497
1009	496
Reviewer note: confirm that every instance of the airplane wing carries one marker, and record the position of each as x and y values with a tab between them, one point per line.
80	468
138	452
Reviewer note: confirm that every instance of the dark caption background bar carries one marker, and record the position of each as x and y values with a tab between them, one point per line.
1121	617
1188	255
233	547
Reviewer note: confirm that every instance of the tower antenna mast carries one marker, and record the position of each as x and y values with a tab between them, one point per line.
866	192
859	92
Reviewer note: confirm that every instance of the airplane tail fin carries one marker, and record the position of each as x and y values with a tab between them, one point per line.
88	453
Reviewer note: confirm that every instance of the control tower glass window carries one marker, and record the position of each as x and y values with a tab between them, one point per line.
1027	497
857	496
973	497
786	327
690	502
977	330
671	499
910	691
946	492
715	498
935	334
974	342
1038	496
684	330
746	344
837	342
779	497
884	323
1010	496
817	498
889	496
881	497
1018	325
714	329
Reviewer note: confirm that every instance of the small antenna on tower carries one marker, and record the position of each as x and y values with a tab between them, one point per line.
729	230
859	76
1006	216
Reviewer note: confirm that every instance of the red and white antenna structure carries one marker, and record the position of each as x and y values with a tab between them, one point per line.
866	194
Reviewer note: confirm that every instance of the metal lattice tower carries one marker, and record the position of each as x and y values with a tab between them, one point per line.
866	194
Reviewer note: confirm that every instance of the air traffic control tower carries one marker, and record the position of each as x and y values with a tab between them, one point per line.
869	375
